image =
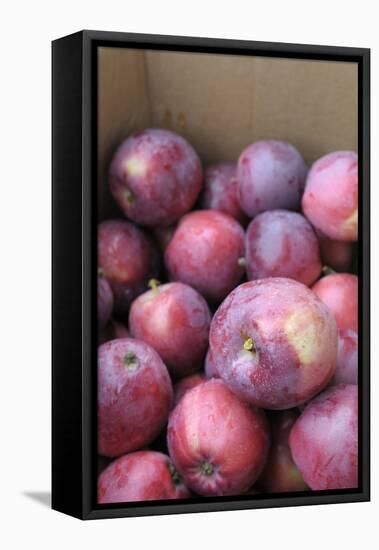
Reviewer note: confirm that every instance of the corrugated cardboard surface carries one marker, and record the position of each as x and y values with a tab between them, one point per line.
223	103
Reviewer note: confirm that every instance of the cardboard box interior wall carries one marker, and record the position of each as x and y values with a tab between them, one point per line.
221	103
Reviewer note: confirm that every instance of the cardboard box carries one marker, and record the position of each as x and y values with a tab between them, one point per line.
222	103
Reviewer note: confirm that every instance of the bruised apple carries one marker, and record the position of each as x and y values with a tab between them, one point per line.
134	396
280	474
218	443
174	319
274	343
142	475
324	439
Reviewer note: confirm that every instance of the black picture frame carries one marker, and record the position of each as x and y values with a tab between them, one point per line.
74	332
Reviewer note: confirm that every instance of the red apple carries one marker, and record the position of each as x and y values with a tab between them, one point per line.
205	253
127	259
347	358
134	396
339	292
155	177
218	443
174	319
271	174
274	343
330	199
324	439
220	191
143	475
282	244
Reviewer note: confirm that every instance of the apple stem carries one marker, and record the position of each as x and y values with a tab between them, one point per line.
131	361
154	285
207	468
249	345
326	270
242	262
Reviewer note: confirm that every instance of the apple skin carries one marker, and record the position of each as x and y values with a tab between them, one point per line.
330	200
280	474
324	439
155	177
347	358
280	243
271	174
174	319
337	255
127	259
210	366
217	443
205	253
135	396
274	343
339	292
104	302
181	387
220	191
139	476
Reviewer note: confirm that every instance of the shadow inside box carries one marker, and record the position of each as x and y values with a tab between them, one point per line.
42	497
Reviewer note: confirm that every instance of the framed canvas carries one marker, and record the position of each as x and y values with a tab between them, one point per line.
211	277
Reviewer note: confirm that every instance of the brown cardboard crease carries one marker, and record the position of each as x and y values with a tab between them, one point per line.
222	103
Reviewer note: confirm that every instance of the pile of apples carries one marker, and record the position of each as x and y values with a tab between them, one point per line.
228	318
